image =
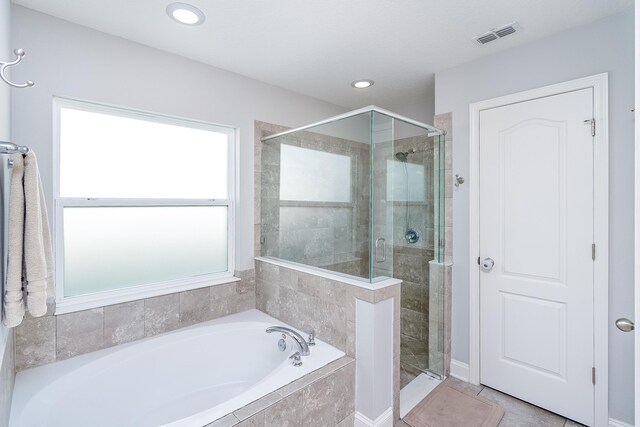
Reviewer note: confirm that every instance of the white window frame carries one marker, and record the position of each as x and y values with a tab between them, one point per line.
67	304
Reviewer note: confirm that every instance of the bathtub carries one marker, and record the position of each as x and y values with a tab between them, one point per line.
189	377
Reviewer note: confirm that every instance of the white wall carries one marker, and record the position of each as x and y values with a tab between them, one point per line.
5	121
423	111
6	54
604	46
70	60
637	207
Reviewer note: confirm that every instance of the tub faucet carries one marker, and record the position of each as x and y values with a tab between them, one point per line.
303	347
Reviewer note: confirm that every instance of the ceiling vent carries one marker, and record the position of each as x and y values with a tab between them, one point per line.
497	33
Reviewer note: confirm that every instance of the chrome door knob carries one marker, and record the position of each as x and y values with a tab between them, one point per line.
625	325
487	264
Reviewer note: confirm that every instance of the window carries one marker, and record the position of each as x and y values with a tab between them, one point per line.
317	209
143	204
314	176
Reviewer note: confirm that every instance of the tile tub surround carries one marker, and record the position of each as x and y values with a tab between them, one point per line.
43	340
310	302
322	398
7	380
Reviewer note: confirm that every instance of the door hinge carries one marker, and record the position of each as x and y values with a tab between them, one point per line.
593	251
592	122
593	375
478	260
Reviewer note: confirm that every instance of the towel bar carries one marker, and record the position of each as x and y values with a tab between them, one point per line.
10	148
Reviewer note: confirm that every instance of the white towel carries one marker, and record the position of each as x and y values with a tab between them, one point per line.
13	300
30	262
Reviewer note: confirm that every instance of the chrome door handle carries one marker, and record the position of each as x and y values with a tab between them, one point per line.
625	325
384	250
487	264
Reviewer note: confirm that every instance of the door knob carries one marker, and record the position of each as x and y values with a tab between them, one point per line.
487	264
625	325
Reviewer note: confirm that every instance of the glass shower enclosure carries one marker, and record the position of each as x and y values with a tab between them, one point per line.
361	195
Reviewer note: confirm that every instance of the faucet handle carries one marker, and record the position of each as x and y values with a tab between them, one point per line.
312	338
295	358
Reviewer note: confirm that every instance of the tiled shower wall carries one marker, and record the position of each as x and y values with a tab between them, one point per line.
331	235
440	292
411	260
43	340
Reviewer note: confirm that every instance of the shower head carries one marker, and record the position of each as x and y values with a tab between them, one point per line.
402	156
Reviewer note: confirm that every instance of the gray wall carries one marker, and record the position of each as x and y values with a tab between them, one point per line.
604	46
6	338
6	54
70	60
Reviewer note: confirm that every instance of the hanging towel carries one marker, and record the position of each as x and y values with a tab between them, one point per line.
38	257
30	260
13	299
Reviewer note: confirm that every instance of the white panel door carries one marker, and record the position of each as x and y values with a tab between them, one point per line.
536	223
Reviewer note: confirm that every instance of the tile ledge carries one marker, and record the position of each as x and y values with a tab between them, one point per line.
332	276
136	293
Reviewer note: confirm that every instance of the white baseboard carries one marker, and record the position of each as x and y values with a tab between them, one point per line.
459	370
384	420
616	423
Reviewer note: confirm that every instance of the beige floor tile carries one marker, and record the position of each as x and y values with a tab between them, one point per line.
464	386
521	414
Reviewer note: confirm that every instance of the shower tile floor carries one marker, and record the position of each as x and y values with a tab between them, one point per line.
517	413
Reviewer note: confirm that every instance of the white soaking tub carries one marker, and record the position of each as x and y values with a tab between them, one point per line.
189	377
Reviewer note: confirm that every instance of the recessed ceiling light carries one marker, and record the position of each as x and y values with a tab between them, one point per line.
185	13
362	84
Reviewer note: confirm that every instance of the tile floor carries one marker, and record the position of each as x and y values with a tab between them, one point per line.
517	413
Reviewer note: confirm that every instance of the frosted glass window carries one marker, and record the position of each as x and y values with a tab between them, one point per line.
397	182
109	248
314	176
144	206
111	156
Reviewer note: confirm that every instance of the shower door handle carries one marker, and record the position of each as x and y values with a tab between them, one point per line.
384	249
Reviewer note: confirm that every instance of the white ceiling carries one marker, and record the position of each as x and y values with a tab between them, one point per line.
318	47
